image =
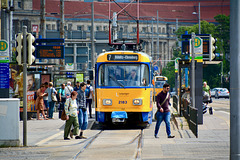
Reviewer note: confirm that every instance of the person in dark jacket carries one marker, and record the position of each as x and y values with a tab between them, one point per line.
163	113
82	115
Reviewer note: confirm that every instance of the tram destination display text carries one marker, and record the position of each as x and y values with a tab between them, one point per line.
119	57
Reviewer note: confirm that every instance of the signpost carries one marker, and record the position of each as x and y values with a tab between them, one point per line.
4	55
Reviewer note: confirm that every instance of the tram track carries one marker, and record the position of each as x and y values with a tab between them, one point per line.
137	139
139	146
88	143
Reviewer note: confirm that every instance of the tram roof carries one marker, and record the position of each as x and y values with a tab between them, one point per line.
143	57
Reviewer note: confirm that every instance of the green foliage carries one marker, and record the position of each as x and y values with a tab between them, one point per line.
211	73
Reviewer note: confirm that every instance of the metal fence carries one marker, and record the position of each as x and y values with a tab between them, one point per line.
191	114
175	102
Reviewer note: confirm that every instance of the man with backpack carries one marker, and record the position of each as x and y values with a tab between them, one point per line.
89	97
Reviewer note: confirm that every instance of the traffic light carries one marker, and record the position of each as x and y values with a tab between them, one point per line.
4	4
19	49
212	48
30	49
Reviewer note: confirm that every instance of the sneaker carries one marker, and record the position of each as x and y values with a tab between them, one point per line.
77	137
71	134
156	136
82	137
66	138
171	136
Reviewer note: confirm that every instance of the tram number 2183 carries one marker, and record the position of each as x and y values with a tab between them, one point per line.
122	102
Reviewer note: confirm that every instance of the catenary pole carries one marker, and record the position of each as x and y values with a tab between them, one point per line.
234	80
199	19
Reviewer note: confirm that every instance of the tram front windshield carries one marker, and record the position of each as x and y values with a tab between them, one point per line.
123	75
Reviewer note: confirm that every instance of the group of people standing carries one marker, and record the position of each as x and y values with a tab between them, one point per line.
75	108
73	100
44	99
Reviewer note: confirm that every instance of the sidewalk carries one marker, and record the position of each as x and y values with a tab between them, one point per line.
213	140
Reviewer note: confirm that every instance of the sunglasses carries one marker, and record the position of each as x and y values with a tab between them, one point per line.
167	88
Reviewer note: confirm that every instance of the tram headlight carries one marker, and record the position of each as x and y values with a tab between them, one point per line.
107	102
137	102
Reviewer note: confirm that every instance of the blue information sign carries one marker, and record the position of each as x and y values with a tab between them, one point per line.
4	75
155	68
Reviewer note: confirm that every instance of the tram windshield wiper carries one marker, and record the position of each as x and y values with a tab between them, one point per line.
115	80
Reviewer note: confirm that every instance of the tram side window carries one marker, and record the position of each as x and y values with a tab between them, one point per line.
101	76
144	75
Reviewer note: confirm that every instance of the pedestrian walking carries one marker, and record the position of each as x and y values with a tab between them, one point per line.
71	110
62	99
82	115
50	91
163	112
68	90
45	98
89	97
40	102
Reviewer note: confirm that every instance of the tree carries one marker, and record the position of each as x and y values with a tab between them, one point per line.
211	73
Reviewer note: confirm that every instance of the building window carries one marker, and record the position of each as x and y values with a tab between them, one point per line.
48	26
53	27
163	30
144	29
98	28
125	29
69	27
159	30
65	28
89	28
19	5
134	29
105	28
79	28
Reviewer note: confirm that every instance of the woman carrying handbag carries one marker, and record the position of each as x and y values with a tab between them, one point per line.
72	116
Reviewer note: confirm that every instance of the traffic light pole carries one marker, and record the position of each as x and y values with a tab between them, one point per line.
24	86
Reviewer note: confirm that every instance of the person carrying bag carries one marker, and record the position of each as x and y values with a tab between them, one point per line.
71	110
163	113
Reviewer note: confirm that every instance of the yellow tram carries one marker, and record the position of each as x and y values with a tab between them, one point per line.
124	91
159	82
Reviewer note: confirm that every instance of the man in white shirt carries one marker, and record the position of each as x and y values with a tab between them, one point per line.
68	90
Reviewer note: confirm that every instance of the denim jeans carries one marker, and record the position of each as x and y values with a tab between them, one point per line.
82	119
166	117
89	104
51	108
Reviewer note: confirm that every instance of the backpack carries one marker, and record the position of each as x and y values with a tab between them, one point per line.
87	91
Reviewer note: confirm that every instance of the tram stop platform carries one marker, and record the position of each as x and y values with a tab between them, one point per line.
213	140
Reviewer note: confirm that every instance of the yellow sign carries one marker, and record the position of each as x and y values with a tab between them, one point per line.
3	45
197	42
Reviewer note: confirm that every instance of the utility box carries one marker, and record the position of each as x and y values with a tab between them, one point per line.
9	122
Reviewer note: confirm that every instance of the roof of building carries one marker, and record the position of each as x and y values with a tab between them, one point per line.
167	11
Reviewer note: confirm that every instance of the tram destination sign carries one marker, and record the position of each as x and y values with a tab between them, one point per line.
120	57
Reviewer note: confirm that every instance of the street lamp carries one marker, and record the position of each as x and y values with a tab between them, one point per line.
199	22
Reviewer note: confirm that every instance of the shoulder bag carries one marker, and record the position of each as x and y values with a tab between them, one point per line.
53	96
63	115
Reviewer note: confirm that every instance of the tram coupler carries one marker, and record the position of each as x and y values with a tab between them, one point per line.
119	116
